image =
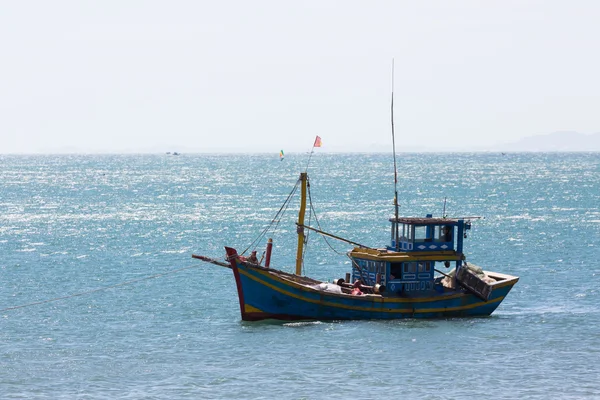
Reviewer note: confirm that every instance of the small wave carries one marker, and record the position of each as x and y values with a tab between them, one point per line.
548	310
525	216
302	323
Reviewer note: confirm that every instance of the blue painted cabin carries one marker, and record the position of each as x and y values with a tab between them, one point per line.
418	247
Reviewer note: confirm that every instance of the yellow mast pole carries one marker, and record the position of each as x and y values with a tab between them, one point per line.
300	227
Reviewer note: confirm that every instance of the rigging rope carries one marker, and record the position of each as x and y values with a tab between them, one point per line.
313	212
364	277
98	289
275	219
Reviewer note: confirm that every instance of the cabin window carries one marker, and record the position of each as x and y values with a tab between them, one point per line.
444	233
424	266
395	270
420	233
408	232
410	268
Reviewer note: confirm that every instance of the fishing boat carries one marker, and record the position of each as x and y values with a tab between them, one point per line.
421	273
403	279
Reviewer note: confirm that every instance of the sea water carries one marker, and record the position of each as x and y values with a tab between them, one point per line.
100	298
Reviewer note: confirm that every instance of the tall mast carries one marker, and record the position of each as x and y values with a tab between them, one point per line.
395	168
300	225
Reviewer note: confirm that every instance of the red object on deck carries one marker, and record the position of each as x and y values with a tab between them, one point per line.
269	248
356	288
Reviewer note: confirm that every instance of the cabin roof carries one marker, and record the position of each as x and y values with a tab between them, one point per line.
425	221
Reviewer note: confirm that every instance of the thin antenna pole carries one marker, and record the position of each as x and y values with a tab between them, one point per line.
311	153
396	206
317	140
444	211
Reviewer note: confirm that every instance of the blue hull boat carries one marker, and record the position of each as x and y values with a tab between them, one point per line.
265	293
405	279
401	280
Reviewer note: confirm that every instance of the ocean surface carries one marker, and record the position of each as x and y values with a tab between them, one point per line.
100	298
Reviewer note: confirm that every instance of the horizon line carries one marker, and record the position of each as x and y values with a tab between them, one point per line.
291	152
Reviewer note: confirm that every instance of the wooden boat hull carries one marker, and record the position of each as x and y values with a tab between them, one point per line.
271	294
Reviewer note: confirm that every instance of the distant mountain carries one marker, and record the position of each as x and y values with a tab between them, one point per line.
556	141
562	141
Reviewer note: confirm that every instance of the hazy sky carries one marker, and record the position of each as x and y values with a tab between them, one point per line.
205	76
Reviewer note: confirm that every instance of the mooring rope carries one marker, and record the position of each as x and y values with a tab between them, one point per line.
98	289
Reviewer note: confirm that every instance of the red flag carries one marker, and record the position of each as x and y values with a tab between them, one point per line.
317	142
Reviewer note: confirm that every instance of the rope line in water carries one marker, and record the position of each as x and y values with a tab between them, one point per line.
99	289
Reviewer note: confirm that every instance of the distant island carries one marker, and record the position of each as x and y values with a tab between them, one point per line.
557	141
560	141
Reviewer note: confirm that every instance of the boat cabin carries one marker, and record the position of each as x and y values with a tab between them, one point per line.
418	247
427	234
